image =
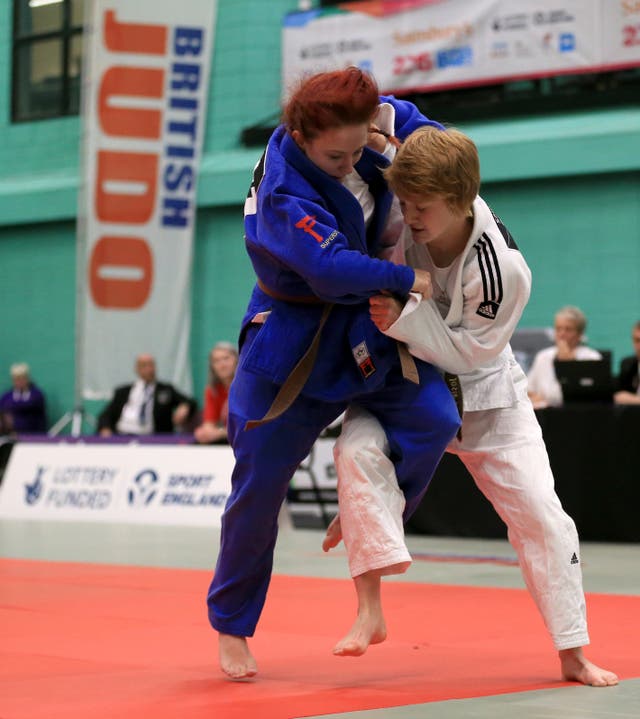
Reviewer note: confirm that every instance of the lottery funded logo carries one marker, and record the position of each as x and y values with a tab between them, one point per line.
33	489
71	487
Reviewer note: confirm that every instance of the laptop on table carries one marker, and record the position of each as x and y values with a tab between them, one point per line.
585	380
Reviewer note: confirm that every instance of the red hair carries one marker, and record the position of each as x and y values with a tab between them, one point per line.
331	99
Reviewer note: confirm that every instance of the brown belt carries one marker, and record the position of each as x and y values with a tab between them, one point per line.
296	380
453	383
408	364
294	383
305	300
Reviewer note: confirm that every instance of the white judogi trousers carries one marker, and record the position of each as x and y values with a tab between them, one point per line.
504	452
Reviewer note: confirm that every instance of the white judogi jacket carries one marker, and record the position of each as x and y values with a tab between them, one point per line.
488	288
467	332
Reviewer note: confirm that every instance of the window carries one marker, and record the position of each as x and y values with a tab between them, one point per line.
47	58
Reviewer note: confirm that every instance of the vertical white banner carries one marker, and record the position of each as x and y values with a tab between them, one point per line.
146	75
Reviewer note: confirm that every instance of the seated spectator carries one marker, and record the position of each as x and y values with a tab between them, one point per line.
223	360
22	408
147	406
569	326
628	389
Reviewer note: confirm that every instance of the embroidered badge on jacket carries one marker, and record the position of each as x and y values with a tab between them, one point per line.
363	359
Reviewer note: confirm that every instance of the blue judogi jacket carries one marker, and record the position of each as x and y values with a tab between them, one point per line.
306	238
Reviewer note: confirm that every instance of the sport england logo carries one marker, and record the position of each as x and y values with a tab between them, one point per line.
33	491
143	490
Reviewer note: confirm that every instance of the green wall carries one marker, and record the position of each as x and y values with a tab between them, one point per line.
567	187
581	238
37	300
222	281
38	199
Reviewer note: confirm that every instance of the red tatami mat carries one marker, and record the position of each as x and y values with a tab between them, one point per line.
98	641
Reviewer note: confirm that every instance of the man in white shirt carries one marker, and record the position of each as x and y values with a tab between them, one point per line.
147	406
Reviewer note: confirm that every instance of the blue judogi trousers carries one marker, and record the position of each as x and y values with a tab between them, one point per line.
419	420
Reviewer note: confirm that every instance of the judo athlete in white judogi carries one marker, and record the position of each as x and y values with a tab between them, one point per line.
480	286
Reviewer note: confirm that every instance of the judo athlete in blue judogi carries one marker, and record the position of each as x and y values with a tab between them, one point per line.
313	249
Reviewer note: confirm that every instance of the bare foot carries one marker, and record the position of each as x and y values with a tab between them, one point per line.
334	534
577	668
367	629
235	658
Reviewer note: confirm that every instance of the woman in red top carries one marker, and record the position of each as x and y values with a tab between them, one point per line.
223	360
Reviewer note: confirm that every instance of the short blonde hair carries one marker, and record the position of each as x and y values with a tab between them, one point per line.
19	369
433	162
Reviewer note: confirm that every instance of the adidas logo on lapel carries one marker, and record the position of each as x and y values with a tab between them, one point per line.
363	359
488	310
